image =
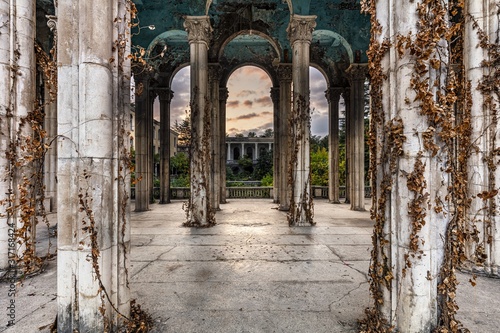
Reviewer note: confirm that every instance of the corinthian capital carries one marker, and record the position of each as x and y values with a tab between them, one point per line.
301	28
198	29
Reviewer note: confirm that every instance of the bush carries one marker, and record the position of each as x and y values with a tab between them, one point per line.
267	180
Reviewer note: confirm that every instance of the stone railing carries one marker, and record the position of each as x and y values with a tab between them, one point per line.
182	193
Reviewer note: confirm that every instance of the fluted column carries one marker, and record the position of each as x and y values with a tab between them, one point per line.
141	144
150	139
17	100
93	119
333	98
165	95
285	110
357	76
214	74
346	95
200	208
275	97
223	95
300	34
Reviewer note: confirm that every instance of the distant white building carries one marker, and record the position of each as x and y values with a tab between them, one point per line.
253	148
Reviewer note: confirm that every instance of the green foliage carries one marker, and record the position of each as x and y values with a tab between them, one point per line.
264	165
246	165
318	142
179	164
268	133
319	167
267	180
180	181
252	134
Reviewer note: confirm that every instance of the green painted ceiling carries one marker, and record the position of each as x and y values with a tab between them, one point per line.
248	31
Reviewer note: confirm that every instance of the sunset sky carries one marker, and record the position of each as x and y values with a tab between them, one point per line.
249	106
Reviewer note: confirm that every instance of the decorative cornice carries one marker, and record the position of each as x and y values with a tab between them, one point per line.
284	72
165	94
357	72
300	28
333	94
198	29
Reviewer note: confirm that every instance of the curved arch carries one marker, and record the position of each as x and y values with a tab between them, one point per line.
271	41
322	71
225	78
209	3
337	38
177	70
172	36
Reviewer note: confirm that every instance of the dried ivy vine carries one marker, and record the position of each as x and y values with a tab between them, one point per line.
296	122
444	99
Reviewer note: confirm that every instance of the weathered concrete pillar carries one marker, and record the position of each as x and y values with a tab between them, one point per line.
300	35
285	110
493	250
275	97
214	74
357	76
141	144
410	208
165	95
223	96
200	208
17	97
346	95
150	139
93	119
333	98
50	126
483	162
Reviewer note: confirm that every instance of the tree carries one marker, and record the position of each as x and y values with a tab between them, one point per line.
251	134
268	133
238	135
319	167
264	165
184	130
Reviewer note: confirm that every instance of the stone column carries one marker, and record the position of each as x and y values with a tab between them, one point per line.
285	110
493	262
141	144
200	209
50	126
410	207
484	176
346	95
17	97
333	98
150	142
93	119
275	97
165	96
223	95
357	76
214	73
300	35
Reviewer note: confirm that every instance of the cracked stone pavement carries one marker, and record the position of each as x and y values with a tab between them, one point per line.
249	273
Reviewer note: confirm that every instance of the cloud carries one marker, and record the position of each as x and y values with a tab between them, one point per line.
266	113
233	104
248	103
264	101
245	116
246	93
319	124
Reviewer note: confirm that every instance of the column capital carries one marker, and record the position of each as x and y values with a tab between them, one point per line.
165	94
285	72
301	28
275	94
357	72
52	23
223	94
333	94
214	72
199	29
